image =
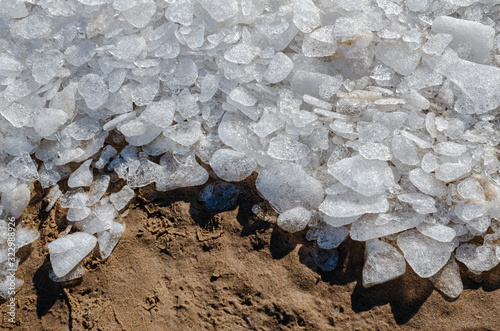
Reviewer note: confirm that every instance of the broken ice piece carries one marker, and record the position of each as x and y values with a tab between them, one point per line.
279	68
121	198
470	189
77	214
74	199
81	176
477	258
93	90
286	185
100	219
331	237
232	166
421	203
383	262
23	167
295	219
16	200
437	231
66	252
6	287
427	183
368	177
374	226
353	204
448	280
97	189
425	255
76	273
109	239
449	172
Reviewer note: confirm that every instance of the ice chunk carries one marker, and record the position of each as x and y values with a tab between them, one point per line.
16	200
284	148
141	14
25	236
437	231
129	47
421	203
477	81
83	129
23	167
66	252
279	68
187	105
7	285
368	177
376	226
375	151
93	89
306	16
183	173
478	36
232	166
399	56
81	53
404	150
46	121
77	214
470	189
100	219
449	172
121	198
82	176
75	273
429	162
17	114
295	219
241	54
269	122
209	86
181	11
186	133
477	258
448	280
74	199
450	148
417	5
220	10
312	47
286	185
47	65
383	262
32	27
353	204
330	237
243	96
427	183
52	197
109	239
97	189
437	43
107	153
425	255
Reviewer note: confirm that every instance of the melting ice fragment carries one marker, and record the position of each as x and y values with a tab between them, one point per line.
383	262
66	252
368	177
232	166
286	185
425	255
295	219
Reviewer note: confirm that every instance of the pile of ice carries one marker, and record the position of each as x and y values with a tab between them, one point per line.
374	119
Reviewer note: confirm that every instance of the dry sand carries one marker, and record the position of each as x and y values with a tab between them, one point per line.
178	267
